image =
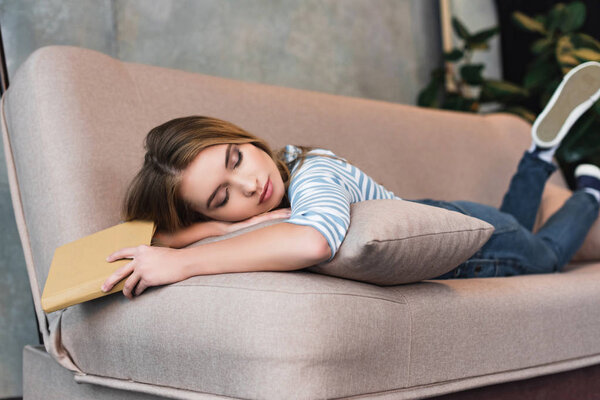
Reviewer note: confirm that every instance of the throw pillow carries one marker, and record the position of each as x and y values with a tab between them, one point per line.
392	242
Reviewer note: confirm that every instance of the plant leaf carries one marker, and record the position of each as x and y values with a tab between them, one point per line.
574	144
527	23
539	74
456	102
556	16
485	34
460	29
492	90
454	55
573	17
584	55
428	96
596	107
471	73
564	56
546	57
582	40
541	45
542	19
477	45
521	112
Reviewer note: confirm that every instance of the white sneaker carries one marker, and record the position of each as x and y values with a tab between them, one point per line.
578	91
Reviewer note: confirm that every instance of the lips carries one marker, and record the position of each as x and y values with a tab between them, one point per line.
264	191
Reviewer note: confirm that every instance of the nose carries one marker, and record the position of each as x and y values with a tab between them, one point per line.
248	185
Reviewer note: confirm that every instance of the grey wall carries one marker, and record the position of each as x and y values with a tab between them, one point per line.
380	49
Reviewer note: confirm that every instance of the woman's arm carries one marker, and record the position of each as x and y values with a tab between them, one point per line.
202	230
189	234
279	247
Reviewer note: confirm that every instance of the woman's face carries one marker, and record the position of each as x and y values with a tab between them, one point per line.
231	179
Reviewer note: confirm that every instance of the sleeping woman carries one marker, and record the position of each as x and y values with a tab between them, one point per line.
204	176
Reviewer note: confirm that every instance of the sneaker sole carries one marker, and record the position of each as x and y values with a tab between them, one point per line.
577	92
587	169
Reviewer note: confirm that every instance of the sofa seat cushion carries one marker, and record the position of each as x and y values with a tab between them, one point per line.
304	335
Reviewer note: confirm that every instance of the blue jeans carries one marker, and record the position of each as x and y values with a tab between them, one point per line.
513	249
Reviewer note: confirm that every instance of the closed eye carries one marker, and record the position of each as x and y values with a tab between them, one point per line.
237	164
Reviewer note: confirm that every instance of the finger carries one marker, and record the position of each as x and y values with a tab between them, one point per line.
141	286
117	276
126	252
130	284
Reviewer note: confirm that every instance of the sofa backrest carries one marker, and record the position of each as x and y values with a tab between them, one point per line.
76	119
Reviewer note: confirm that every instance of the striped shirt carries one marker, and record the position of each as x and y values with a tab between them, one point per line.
321	192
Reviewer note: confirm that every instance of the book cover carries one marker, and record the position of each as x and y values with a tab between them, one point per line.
79	268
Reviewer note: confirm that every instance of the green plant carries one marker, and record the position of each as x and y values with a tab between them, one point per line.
460	85
558	50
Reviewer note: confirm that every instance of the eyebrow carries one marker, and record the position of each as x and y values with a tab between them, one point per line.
212	196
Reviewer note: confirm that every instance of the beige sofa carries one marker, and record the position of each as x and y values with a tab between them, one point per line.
73	124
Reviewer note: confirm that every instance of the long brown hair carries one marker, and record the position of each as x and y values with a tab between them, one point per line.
154	195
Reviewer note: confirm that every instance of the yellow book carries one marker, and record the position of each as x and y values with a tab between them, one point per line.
79	268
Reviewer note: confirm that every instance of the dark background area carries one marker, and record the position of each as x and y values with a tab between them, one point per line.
515	43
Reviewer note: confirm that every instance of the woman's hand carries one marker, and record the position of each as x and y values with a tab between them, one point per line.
236	226
151	266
